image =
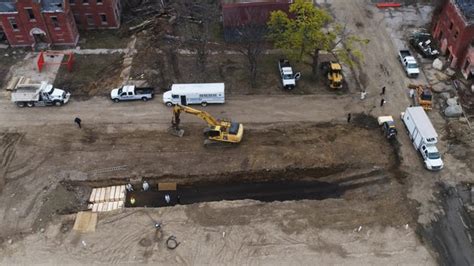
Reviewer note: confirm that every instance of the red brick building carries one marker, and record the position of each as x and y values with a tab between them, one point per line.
238	13
33	22
454	29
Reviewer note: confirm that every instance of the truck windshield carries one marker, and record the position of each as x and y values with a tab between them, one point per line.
120	91
434	155
288	76
412	66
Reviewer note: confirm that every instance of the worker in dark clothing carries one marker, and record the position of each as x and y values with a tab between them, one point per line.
78	121
382	102
349	117
383	91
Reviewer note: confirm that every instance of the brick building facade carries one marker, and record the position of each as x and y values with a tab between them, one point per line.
31	22
238	13
454	30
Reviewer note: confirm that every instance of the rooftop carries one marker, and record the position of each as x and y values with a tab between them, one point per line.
467	9
7	6
52	5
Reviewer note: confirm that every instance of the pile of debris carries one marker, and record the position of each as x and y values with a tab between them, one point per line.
422	41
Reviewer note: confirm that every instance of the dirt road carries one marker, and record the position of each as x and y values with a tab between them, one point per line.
245	109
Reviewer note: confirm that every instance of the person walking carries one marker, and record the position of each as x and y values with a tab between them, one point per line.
383	91
412	93
349	117
382	102
78	121
363	94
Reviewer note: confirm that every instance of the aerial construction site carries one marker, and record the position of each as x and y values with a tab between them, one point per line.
294	165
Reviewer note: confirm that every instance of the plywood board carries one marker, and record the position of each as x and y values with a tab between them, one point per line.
102	195
97	195
166	186
85	222
117	193
107	194
95	207
116	205
92	197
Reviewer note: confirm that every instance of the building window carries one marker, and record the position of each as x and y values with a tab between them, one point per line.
72	2
77	18
31	15
103	19
99	2
55	22
90	20
13	24
85	2
451	25
456	34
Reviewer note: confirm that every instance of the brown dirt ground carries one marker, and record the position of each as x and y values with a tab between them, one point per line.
92	75
324	151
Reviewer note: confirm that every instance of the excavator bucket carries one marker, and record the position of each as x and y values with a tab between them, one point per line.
178	132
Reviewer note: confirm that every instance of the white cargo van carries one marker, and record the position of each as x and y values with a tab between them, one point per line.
423	136
195	93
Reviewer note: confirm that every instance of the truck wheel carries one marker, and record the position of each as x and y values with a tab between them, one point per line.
144	99
116	100
30	104
20	104
58	103
203	104
169	104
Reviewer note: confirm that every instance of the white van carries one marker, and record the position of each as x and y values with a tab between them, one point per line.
195	93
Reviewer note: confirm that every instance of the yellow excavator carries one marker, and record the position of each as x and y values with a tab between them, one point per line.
333	72
217	132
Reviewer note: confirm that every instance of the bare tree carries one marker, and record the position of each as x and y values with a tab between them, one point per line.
250	38
198	17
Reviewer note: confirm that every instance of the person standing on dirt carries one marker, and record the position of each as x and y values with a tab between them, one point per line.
349	116
382	102
167	199
383	91
78	121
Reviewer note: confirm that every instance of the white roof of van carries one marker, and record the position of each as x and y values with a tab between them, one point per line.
422	121
198	88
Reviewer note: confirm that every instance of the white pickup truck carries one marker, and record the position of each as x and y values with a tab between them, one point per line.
288	79
42	94
409	63
130	93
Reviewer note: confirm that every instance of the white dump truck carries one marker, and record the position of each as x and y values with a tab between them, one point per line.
423	136
42	94
288	78
409	63
195	93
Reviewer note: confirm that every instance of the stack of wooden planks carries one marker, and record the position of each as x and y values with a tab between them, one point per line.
106	199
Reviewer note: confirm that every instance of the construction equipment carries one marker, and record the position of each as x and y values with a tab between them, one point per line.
217	132
423	94
388	126
333	72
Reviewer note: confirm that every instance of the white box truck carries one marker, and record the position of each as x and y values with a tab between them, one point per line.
423	136
195	93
